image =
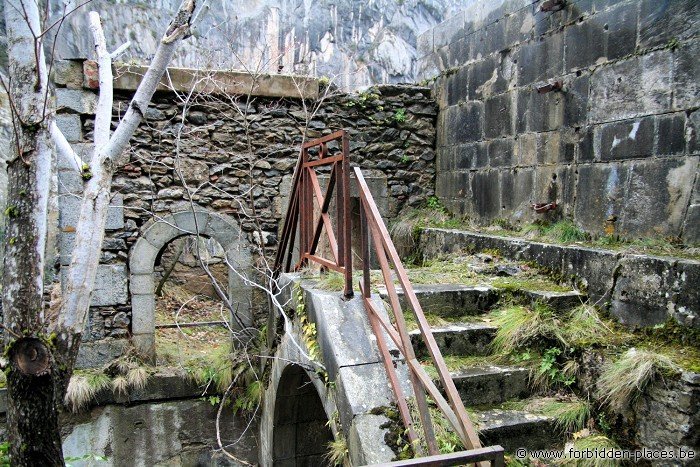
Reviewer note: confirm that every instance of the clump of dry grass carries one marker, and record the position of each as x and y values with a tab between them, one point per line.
623	380
137	377
120	386
82	388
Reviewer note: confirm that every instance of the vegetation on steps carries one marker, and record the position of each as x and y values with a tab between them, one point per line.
406	232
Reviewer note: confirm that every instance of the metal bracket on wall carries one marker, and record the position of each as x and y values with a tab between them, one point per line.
553	5
549	87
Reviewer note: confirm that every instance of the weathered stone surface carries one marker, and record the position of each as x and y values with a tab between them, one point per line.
514	430
491	385
642	290
96	354
636	86
669	415
70	126
627	139
157	434
110	285
76	100
639	297
659	22
451	300
366	441
457	339
68	73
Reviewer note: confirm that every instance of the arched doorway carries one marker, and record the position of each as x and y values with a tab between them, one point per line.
155	235
301	433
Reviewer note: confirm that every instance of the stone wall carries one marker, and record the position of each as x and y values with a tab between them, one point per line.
617	144
201	148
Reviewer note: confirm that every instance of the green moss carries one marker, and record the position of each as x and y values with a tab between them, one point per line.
542	284
332	281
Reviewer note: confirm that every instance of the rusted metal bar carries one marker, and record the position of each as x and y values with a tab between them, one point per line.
364	241
325	262
318	229
422	375
326	161
492	454
346	220
324	139
404	411
320	199
406	345
305	188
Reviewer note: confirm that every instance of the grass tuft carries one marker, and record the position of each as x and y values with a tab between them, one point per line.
82	388
332	281
251	397
520	326
137	377
570	415
120	386
587	444
622	381
337	451
584	327
216	369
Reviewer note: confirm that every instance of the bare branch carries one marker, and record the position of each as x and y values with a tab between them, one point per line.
120	50
64	148
103	115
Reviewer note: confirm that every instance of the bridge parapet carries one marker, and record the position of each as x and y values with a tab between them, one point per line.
357	380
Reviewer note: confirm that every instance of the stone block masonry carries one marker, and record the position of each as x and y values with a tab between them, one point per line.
617	144
199	148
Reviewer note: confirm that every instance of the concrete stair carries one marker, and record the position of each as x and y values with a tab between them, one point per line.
458	339
491	385
514	429
484	386
451	301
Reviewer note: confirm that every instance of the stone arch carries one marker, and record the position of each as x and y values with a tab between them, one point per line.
153	237
301	431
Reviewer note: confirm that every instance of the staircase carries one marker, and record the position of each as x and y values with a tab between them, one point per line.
490	391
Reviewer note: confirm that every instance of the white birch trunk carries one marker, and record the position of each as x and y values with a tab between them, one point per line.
39	366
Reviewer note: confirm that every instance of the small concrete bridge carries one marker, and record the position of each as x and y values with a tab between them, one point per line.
302	413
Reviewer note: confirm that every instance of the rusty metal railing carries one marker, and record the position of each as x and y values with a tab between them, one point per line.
374	230
311	222
492	454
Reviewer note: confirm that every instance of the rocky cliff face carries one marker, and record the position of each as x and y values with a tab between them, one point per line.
356	43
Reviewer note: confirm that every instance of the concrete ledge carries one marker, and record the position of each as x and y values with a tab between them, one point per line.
69	73
128	78
167	384
640	290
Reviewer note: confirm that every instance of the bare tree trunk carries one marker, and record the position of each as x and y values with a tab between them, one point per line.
31	411
40	364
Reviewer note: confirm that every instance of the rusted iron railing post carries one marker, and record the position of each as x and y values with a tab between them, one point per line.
305	189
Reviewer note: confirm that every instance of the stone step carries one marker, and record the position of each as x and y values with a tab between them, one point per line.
458	339
558	301
515	429
450	300
491	385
